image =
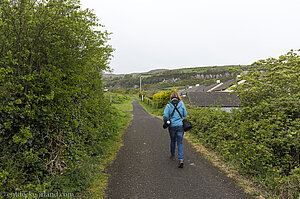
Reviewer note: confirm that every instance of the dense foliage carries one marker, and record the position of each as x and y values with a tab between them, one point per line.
157	100
53	114
163	97
263	136
152	103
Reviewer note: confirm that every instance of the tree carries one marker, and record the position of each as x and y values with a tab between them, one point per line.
274	86
271	107
51	102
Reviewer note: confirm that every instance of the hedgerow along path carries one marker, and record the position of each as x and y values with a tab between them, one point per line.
143	169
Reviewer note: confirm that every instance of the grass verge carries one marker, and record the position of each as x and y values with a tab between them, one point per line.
100	181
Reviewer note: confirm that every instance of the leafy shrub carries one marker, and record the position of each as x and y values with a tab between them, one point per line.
118	99
163	97
262	137
53	114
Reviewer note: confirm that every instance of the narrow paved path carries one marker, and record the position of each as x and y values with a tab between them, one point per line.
143	168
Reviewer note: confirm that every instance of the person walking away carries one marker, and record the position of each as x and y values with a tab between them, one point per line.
176	127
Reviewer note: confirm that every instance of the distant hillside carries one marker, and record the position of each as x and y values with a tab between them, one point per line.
157	70
111	76
161	79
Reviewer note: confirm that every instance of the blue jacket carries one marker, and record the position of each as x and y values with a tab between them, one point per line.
176	120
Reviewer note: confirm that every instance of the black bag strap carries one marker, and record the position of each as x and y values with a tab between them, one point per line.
172	111
175	108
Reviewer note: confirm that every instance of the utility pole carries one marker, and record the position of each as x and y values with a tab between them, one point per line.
141	88
140	83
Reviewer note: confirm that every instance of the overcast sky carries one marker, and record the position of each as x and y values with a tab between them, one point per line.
153	34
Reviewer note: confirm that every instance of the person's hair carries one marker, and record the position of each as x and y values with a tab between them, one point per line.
175	95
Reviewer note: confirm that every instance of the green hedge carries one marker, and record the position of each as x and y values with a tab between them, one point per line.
262	138
152	103
53	114
260	148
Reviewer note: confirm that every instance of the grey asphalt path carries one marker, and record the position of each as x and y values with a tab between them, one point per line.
143	169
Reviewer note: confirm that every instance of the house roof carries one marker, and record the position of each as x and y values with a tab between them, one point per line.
211	87
204	99
200	88
225	85
194	89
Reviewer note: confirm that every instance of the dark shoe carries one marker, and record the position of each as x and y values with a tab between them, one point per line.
180	164
172	157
